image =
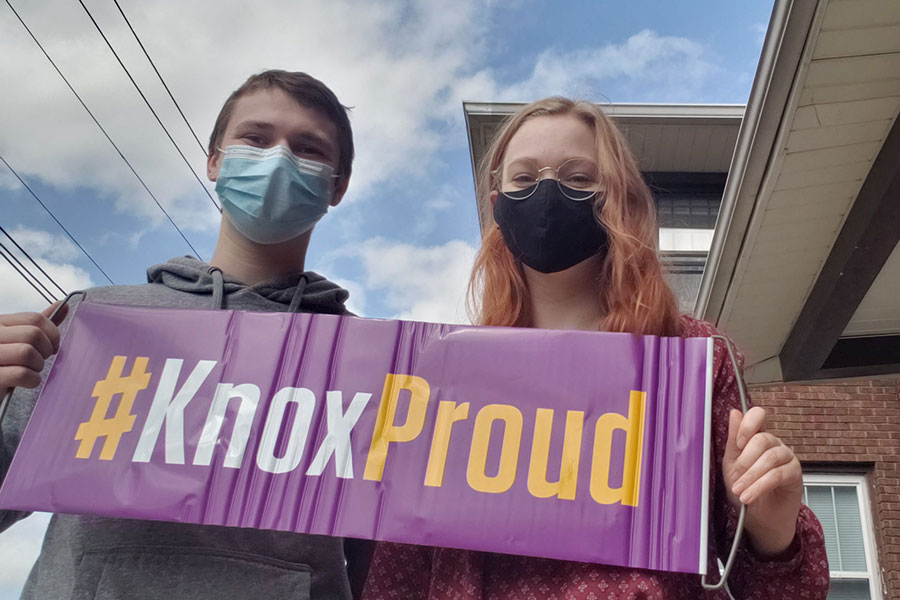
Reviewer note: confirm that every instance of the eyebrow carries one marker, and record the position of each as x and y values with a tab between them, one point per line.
254	125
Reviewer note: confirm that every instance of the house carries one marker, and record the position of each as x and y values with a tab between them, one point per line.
780	223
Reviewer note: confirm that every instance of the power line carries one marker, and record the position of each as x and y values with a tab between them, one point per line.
61	226
147	102
97	123
152	64
3	252
28	256
27	270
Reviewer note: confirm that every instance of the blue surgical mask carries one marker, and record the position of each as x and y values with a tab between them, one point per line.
270	195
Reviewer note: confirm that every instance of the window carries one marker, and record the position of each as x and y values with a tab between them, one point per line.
695	211
687	200
687	205
683	271
842	506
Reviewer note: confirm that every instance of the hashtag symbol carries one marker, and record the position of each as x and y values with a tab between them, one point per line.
122	421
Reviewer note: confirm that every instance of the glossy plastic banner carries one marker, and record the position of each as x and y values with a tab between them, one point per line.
564	444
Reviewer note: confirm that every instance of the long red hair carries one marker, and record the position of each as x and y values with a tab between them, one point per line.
631	290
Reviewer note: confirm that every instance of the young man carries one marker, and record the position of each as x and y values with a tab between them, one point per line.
280	154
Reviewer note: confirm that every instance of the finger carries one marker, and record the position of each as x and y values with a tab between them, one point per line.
755	448
35	320
786	475
758	444
27	334
21	355
731	448
752	423
60	316
19	376
770	459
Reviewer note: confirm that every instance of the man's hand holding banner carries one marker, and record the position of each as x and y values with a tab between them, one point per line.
572	445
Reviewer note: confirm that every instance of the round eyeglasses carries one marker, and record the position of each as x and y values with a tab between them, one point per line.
578	179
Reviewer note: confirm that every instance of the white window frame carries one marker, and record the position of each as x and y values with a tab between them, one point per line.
858	481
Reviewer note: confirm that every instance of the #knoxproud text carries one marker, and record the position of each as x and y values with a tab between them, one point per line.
168	406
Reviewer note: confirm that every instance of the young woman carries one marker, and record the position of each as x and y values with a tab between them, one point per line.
573	246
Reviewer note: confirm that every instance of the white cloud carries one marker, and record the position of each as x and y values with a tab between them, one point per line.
45	245
357	301
50	136
393	61
404	67
432	210
669	67
55	254
417	283
117	238
20	548
8	181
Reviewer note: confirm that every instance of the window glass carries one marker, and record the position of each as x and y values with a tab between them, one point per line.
818	498
849	529
849	590
839	503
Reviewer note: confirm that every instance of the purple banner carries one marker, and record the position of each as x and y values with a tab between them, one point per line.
565	444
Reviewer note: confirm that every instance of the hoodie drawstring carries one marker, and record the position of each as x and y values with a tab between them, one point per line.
218	292
298	293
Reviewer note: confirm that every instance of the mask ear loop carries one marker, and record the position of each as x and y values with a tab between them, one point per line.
723	580
4	404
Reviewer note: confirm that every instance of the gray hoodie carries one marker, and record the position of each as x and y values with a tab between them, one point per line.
86	557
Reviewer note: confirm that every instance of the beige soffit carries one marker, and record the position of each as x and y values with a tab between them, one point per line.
826	94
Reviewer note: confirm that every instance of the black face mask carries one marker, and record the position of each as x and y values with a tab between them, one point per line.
547	231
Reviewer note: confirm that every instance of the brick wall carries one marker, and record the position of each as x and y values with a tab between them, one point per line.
853	423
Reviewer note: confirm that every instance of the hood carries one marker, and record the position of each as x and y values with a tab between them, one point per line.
301	292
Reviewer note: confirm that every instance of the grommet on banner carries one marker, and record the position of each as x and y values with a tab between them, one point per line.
723	579
4	404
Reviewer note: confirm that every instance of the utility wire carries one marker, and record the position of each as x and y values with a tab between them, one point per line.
28	271
28	256
147	102
61	226
163	81
3	252
96	122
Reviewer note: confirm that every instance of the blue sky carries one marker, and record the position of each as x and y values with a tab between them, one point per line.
403	239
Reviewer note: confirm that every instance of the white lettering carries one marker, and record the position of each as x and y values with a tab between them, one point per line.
297	432
249	399
170	411
337	441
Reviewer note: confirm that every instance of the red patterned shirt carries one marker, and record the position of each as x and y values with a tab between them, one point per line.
419	572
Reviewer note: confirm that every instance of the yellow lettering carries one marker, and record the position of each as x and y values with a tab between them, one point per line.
448	414
509	453
633	426
564	488
385	431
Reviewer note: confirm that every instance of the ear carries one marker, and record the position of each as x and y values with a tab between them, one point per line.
213	164
340	188
493	198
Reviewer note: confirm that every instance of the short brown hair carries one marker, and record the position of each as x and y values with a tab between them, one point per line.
307	91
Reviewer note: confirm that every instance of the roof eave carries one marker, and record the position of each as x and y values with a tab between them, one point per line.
779	63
